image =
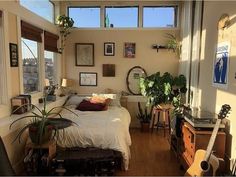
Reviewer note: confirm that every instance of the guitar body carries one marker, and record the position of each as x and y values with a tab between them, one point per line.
196	170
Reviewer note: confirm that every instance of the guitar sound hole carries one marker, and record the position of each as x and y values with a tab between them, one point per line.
204	165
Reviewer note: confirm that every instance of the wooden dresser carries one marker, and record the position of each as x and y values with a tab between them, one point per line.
193	139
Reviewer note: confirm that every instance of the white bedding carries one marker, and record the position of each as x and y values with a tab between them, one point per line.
103	129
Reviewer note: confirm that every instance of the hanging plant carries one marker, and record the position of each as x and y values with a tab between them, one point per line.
65	23
173	43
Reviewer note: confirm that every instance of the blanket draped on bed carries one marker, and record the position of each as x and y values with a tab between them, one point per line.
102	129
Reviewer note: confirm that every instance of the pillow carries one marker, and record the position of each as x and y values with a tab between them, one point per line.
86	105
115	98
75	100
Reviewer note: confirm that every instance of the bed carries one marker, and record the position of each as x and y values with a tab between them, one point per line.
102	129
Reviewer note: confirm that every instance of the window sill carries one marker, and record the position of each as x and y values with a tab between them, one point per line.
6	120
120	29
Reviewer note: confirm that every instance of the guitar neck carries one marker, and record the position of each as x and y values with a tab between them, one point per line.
212	140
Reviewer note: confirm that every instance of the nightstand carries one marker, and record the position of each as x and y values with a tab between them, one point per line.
38	158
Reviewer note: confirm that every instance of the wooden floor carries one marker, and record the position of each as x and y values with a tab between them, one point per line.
151	156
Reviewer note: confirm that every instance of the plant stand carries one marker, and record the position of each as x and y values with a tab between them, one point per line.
38	158
165	111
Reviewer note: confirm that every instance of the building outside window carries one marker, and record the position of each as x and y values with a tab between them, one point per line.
30	56
50	67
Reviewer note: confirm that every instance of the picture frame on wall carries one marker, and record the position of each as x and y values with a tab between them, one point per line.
221	65
84	54
88	79
129	50
109	49
13	55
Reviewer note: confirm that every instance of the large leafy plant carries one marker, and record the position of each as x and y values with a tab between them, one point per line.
43	122
163	89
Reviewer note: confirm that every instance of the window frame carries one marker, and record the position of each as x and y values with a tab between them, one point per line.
176	10
95	6
140	7
119	6
53	12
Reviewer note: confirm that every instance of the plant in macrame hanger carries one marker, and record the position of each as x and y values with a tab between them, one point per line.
65	23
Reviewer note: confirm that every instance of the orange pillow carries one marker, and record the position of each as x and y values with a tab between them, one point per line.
97	99
103	100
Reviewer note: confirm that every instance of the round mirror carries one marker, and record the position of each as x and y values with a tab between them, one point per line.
132	79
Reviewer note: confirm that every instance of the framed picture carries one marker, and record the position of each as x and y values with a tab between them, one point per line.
221	65
108	70
129	50
13	55
84	54
109	49
87	79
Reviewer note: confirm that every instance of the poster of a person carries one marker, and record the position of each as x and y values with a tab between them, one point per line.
221	65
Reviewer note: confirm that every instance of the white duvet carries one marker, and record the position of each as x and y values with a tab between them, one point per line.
103	129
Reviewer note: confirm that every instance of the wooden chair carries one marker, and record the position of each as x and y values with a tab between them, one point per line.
5	167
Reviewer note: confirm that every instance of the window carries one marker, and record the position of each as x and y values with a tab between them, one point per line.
30	56
121	17
43	8
85	17
50	67
159	16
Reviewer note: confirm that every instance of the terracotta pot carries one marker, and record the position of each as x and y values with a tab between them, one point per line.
144	126
34	134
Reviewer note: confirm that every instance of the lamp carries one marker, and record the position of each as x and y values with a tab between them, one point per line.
65	83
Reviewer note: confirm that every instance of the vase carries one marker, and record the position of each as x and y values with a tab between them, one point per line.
35	137
144	126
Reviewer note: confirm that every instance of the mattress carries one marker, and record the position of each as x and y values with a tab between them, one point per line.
102	129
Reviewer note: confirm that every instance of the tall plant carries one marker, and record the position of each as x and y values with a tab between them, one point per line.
65	23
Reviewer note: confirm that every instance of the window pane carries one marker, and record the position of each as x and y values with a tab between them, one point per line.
159	17
121	17
85	17
50	67
43	8
30	65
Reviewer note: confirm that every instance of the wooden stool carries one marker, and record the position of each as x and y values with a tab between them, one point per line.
166	118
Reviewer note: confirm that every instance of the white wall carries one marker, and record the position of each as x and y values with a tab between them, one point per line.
211	97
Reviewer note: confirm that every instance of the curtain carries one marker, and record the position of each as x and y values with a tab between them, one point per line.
31	32
50	41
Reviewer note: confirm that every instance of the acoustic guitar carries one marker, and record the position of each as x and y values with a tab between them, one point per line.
205	163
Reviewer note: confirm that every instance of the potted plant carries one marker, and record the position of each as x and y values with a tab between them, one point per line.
144	118
65	23
173	43
42	126
164	90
